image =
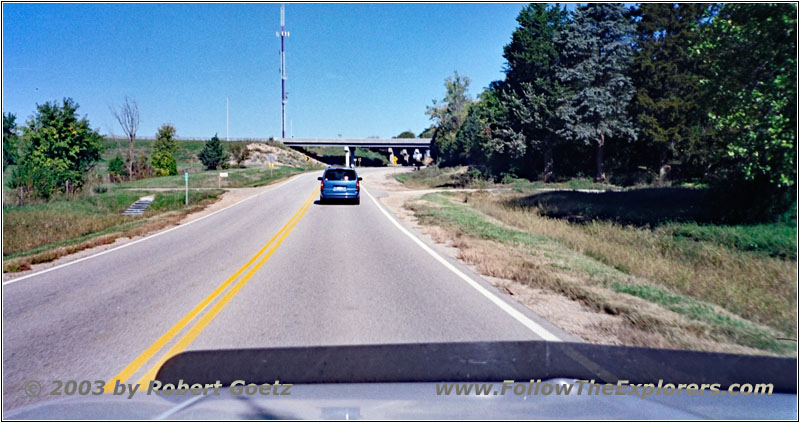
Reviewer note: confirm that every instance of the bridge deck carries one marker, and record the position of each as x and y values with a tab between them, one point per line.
357	142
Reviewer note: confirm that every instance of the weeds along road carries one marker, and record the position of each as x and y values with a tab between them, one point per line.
275	270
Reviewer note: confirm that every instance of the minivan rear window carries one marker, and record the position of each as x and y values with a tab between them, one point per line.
340	175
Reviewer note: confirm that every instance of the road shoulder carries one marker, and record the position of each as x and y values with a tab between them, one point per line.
569	313
555	313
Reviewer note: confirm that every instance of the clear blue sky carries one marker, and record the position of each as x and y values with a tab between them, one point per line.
353	69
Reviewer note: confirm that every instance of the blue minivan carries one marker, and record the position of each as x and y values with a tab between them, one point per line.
341	183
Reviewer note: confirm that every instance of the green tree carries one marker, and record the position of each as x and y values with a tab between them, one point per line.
10	138
164	148
428	133
58	150
667	107
117	169
165	139
481	138
448	115
751	88
534	90
595	60
213	153
406	134
471	136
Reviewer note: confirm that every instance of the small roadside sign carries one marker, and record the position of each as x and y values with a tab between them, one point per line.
271	159
186	176
219	180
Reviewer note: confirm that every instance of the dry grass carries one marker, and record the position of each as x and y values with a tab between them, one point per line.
46	232
762	288
633	282
29	227
609	317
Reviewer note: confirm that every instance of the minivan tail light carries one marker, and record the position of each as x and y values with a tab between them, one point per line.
322	185
358	184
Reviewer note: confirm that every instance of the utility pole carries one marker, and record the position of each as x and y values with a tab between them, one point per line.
227	120
283	34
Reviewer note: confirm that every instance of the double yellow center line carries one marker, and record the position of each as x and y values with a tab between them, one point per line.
204	320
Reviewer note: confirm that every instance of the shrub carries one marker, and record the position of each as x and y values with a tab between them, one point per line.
141	169
239	152
164	163
117	169
33	181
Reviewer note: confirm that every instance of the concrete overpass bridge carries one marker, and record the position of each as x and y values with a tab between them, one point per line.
418	147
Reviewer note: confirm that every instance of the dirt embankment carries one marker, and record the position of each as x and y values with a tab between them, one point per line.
260	153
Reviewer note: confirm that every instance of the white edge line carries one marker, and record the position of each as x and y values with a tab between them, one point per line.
9	282
525	320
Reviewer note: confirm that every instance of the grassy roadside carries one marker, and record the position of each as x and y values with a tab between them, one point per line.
675	286
39	233
464	177
237	178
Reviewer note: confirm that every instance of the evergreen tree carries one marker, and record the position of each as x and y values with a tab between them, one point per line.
213	153
667	107
164	147
595	61
534	92
165	139
117	169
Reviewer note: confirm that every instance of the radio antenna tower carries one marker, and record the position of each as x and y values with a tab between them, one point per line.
283	34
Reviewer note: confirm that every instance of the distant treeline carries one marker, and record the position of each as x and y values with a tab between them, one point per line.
654	94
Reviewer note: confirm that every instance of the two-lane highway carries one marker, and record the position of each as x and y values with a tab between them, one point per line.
276	270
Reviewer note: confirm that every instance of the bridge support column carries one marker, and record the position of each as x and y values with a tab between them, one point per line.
349	152
391	156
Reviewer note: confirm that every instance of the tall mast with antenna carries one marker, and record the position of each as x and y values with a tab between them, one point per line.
283	34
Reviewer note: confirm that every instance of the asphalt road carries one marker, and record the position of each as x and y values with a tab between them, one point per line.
331	275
